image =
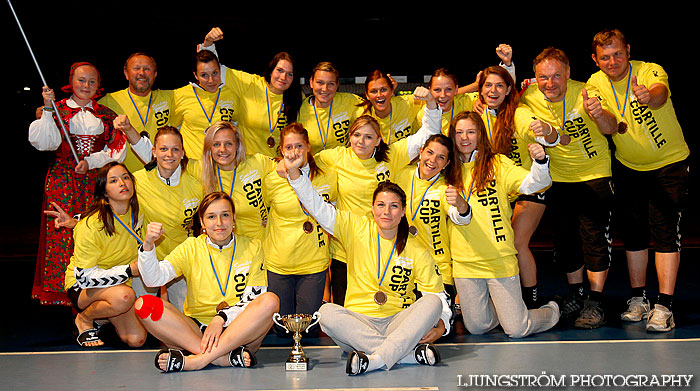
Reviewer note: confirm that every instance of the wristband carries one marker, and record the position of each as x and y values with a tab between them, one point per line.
223	315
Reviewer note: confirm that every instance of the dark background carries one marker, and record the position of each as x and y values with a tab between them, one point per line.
414	43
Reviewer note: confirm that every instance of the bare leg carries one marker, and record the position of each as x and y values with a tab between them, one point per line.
103	303
597	280
526	218
667	270
637	267
575	277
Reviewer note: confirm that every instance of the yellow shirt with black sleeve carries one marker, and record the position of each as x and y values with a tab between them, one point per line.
196	109
654	137
173	206
460	103
485	247
288	250
399	123
146	113
426	209
328	127
194	258
587	156
260	114
247	194
357	179
413	269
94	248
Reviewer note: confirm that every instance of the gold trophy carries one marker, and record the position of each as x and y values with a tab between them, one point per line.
296	323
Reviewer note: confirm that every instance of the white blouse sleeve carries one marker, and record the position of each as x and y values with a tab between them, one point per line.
44	135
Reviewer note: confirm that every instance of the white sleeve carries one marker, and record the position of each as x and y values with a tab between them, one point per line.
153	272
446	312
143	149
96	277
537	179
106	155
510	69
211	48
44	134
457	218
250	293
323	212
432	124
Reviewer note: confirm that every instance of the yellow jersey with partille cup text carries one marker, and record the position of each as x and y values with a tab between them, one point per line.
328	127
460	103
413	268
357	179
260	115
399	123
426	209
519	153
287	248
246	192
587	156
94	247
216	274
485	247
654	137
146	113
196	109
173	206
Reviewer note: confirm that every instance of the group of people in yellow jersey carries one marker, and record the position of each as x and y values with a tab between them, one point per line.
195	214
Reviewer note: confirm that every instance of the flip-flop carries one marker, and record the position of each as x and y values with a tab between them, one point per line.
420	354
236	359
176	360
88	336
363	363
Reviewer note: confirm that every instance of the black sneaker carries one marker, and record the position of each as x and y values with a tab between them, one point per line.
570	306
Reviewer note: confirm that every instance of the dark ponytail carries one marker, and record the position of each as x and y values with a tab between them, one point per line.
402	233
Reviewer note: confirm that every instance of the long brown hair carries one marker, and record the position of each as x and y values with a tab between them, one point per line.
209	181
292	96
483	170
101	206
297	128
402	233
453	169
504	127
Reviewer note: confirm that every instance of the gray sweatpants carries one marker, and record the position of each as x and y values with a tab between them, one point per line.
486	302
392	338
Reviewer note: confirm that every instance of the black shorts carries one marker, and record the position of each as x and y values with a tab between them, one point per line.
581	213
649	206
538	198
73	295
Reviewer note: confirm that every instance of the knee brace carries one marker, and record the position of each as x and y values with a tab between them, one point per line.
150	306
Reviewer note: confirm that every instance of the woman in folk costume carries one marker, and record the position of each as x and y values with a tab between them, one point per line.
70	185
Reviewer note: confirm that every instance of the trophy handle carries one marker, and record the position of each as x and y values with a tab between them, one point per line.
275	318
316	317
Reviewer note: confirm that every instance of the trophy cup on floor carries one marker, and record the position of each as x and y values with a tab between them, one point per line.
296	323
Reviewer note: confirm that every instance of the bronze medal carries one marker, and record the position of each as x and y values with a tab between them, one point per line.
308	227
271	142
564	139
380	298
622	127
413	230
221	306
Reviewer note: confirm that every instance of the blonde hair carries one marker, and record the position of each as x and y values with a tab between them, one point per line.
209	166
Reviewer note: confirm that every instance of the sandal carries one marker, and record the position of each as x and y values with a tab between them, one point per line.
363	362
236	359
176	360
88	336
420	354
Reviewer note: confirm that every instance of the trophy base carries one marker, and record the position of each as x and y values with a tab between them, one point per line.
296	366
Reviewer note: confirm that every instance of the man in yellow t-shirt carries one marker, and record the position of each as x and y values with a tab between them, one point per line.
581	191
147	109
650	171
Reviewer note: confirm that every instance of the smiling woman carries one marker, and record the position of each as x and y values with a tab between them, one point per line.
70	186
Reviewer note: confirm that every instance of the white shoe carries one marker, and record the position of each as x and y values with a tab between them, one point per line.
660	319
637	309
